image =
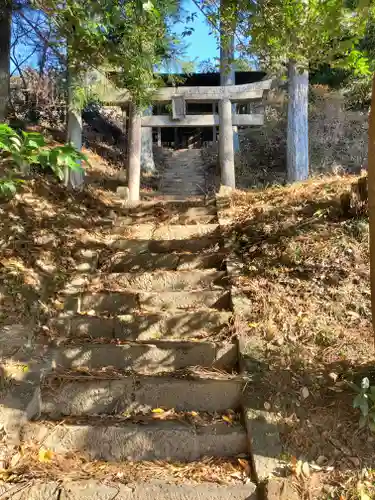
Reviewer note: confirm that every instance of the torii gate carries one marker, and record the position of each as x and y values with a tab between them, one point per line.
178	96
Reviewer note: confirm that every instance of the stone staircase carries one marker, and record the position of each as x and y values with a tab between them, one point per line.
144	361
185	174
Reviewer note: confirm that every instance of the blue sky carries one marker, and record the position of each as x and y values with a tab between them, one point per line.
200	44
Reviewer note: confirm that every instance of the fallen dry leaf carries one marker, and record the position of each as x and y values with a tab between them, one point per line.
305	393
228	419
15	459
306	469
245	465
45	455
164	415
157	410
298	469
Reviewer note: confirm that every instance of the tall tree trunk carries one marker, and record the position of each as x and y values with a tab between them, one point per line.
371	198
298	129
226	143
147	154
5	35
74	132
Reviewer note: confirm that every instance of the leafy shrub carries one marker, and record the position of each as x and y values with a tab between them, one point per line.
8	187
365	401
358	93
22	150
60	158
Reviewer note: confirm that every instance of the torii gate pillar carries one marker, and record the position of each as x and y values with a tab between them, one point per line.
134	153
226	151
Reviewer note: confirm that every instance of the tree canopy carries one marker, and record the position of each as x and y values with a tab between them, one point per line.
127	37
309	33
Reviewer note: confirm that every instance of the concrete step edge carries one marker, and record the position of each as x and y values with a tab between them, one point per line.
190	375
138	442
150	326
130	262
166	488
145	357
103	393
130	301
163	245
148	281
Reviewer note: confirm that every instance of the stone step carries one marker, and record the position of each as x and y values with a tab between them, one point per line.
177	200
214	299
146	358
207	244
92	489
167	215
116	440
124	262
156	281
143	238
198	324
107	393
184	232
148	204
127	302
157	490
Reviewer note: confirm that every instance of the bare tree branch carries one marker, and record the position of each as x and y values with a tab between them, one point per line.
41	35
18	68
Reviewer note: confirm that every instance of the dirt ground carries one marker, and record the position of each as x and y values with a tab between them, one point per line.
307	275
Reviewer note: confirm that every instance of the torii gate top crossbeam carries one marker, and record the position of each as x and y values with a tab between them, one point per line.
236	93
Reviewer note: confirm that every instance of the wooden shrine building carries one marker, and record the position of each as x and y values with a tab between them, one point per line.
199	110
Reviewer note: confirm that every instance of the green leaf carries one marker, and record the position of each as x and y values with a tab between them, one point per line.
5	146
32	144
7	187
16	141
362	421
361	402
354	386
5	129
58	171
148	6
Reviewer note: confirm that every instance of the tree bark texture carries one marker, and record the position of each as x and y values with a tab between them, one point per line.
371	198
298	131
74	133
226	153
226	148
135	140
5	35
147	154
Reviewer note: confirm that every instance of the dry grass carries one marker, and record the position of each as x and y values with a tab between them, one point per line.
307	277
43	230
337	140
307	268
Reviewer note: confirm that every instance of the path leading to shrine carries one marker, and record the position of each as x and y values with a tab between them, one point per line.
141	365
185	174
